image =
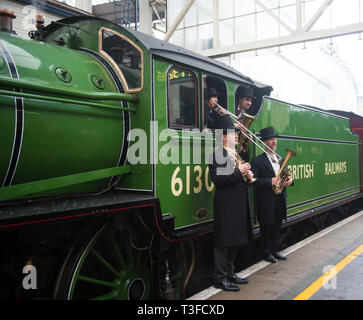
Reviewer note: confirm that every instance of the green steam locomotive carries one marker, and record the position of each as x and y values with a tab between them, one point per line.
105	191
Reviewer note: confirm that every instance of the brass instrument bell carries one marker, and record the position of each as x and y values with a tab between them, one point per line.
284	173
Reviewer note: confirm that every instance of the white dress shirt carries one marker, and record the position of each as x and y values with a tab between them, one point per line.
274	162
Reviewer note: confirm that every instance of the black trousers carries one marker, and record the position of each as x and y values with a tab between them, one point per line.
224	263
270	231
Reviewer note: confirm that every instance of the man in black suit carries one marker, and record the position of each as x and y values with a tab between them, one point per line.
232	222
271	207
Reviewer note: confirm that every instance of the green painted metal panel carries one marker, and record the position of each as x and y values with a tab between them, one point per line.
184	186
297	121
7	111
36	187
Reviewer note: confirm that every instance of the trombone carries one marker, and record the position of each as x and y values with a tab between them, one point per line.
235	118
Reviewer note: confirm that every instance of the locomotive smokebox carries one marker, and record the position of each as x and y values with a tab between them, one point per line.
6	20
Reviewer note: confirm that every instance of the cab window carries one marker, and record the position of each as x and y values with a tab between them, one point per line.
182	99
125	56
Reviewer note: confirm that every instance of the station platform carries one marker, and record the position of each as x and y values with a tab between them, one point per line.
326	266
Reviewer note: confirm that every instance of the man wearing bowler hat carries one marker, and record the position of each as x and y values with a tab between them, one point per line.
245	99
232	222
271	207
211	114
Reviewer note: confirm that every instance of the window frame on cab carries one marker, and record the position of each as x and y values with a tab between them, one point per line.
115	65
169	103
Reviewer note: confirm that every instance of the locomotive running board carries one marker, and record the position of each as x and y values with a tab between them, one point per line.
29	188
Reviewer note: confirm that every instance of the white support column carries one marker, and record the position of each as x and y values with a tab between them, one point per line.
178	19
145	17
298	16
215	24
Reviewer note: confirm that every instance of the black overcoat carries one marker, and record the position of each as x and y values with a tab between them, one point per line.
263	173
232	219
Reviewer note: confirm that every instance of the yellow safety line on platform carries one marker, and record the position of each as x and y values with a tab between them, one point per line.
308	292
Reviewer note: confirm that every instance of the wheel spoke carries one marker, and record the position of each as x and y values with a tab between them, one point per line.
117	252
98	281
106	267
104	262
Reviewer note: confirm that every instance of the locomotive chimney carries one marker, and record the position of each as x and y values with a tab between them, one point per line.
6	20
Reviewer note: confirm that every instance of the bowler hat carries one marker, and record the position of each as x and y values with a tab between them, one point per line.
212	92
267	133
224	122
245	92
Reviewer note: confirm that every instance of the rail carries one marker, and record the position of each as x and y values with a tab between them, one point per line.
66	95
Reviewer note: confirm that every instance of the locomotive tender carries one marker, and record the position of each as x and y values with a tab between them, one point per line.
105	189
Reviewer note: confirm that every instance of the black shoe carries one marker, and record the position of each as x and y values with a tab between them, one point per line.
279	256
237	280
226	286
270	258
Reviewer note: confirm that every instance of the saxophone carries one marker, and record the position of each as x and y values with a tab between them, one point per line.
243	141
284	173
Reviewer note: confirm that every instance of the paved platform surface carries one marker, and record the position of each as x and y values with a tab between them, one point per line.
327	265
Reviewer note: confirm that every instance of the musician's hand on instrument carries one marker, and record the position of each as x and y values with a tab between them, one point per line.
244	130
275	181
287	182
240	168
238	126
249	175
246	167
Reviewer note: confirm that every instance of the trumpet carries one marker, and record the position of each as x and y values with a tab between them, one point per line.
236	160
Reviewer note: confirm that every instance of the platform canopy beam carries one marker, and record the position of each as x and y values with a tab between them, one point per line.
178	19
299	33
284	40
